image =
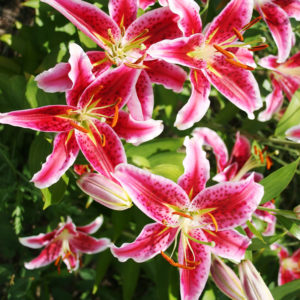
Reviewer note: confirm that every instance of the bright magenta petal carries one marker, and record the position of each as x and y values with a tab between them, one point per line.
37	241
241	151
137	132
267	217
228	244
92	227
291	7
152	194
65	151
99	61
88	18
196	168
88	244
234	203
198	103
153	239
286	275
293	133
123	11
143	4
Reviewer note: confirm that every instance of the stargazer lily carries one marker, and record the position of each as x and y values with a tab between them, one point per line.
91	121
203	217
66	243
219	56
285	77
125	40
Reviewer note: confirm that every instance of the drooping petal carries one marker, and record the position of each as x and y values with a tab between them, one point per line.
92	227
192	282
55	79
71	259
87	244
88	18
228	244
37	241
198	103
211	138
65	151
143	4
169	75
280	27
177	51
291	7
236	14
292	134
103	156
137	132
233	203
267	217
241	150
47	118
236	84
227	174
269	62
152	194
99	61
153	239
196	168
123	12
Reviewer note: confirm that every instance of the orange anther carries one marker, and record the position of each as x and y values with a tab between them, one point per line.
214	221
261	157
175	264
238	34
182	214
259	47
269	162
103	140
223	51
192	262
76	126
255	150
251	23
273	201
57	261
238	64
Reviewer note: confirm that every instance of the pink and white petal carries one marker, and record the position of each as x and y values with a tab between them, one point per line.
241	151
282	253
270	229
273	102
88	18
292	62
99	61
87	244
47	256
160	23
227	174
280	27
286	275
72	261
103	158
196	168
192	282
153	239
169	75
189	18
92	227
143	4
236	84
134	106
37	241
123	11
46	118
197	105
65	151
137	132
152	194
269	62
264	215
236	14
292	134
245	56
291	7
210	138
55	79
228	244
289	84
177	51
233	203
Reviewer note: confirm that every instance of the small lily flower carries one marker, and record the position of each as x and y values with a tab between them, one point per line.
289	265
66	243
254	286
203	217
219	57
125	40
285	77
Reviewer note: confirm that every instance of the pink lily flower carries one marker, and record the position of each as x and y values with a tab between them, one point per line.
204	217
66	243
284	77
214	57
289	269
125	40
87	120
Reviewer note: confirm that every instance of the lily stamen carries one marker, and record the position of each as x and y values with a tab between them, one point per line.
238	34
223	51
214	220
238	64
110	35
182	214
259	47
251	23
175	264
78	127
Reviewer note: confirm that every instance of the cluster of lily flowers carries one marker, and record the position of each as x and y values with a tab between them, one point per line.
109	97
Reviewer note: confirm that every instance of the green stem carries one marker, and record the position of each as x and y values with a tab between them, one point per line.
285	213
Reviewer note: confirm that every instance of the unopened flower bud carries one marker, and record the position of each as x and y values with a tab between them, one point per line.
105	191
254	286
297	211
226	280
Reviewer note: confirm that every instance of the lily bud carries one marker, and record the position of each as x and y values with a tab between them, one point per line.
105	191
226	280
254	286
297	211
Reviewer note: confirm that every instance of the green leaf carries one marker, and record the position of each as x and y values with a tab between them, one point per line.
103	263
291	225
31	92
31	3
130	273
86	41
255	231
287	290
276	182
87	274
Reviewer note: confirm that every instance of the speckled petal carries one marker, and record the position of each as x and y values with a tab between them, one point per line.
88	18
92	227
143	4
291	7
37	241
269	62
96	57
65	151
196	168
153	239
88	244
198	103
286	275
123	11
241	150
152	194
292	134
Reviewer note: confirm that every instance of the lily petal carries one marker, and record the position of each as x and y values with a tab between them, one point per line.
123	12
227	174
291	7
267	217
37	241
241	150
143	4
99	61
92	227
292	134
87	244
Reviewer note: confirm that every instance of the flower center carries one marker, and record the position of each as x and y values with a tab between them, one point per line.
290	264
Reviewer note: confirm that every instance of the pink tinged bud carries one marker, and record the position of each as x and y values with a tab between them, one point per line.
226	280
105	191
297	211
254	286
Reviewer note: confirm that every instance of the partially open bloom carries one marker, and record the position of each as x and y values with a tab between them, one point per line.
203	217
219	57
66	243
285	77
289	264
